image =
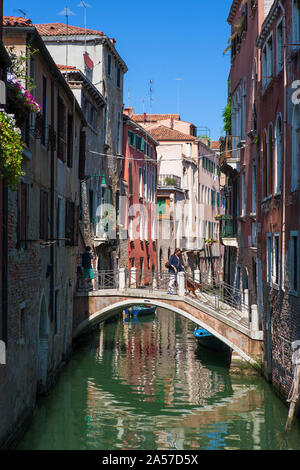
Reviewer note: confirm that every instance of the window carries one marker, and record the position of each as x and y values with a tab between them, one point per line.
119	136
109	64
244	101
243	194
269	257
265	165
294	261
161	206
296	22
70	229
140	182
279	47
131	138
70	141
295	177
254	189
278	154
59	221
44	110
267	62
130	178
139	143
130	229
61	129
189	150
276	266
43	215
270	160
213	197
145	182
22	212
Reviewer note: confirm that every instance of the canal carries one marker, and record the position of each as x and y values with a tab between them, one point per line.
145	384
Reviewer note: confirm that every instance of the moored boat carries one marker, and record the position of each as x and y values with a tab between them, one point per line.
138	310
205	338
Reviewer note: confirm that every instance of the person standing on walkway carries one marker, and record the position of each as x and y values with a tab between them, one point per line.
175	266
88	273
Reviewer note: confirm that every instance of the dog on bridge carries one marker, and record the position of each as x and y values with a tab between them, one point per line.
192	286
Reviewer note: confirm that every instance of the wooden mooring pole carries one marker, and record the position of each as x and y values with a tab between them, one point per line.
293	399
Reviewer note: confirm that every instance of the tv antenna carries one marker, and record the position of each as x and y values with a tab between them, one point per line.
178	94
85	6
67	12
23	12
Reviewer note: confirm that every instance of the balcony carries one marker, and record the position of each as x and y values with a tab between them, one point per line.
231	150
169	181
228	232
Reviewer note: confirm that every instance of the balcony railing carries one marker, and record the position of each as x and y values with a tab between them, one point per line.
227	226
169	180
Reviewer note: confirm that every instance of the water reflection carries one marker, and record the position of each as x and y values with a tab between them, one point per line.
143	384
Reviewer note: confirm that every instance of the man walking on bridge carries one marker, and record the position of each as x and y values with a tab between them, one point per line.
175	266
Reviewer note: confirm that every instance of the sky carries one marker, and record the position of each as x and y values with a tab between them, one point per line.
162	41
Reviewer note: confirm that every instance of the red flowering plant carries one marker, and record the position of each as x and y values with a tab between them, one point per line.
24	96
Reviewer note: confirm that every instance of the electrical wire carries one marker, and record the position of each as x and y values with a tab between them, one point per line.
121	157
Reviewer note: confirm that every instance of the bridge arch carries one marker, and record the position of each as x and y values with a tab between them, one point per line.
114	308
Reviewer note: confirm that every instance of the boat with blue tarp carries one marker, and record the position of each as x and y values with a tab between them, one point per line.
139	310
205	338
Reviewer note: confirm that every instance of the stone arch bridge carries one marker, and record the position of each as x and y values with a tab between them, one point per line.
232	326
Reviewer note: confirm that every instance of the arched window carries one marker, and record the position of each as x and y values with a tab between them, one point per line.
265	166
278	153
295	177
270	159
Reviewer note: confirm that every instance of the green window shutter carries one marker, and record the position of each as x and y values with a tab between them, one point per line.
130	178
212	197
161	206
218	199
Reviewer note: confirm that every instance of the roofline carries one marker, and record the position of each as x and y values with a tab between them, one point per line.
233	10
86	81
131	123
53	67
90	38
268	23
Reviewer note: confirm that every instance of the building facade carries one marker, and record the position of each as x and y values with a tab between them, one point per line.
95	55
42	230
261	162
139	206
188	193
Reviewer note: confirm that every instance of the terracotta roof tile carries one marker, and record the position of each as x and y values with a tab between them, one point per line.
66	67
60	29
215	144
16	21
165	133
154	117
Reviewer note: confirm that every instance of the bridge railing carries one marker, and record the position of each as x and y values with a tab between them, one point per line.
210	290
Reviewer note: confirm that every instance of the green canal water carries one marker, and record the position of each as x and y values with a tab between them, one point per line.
146	385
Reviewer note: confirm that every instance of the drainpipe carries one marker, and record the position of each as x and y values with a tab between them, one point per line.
283	166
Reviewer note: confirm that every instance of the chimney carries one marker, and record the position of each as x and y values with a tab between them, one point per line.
129	112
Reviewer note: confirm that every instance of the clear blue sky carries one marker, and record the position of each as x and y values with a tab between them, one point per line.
159	40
